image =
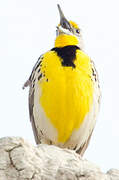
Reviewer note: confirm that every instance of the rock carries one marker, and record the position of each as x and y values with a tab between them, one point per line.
20	160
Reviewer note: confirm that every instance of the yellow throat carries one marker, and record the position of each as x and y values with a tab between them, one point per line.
66	40
66	92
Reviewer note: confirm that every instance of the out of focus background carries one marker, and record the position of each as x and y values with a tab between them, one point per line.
27	29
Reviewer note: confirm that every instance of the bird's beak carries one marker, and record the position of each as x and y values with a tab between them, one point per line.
63	21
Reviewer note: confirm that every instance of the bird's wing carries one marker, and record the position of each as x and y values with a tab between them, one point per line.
31	105
30	82
95	79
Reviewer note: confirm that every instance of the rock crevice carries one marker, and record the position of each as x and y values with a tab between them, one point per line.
20	160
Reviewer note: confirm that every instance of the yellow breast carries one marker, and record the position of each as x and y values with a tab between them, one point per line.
67	93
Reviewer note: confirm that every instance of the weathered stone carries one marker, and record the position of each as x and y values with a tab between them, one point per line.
21	161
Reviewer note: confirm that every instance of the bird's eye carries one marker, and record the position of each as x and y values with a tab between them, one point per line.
77	31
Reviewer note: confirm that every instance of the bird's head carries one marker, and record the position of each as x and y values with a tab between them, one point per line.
68	32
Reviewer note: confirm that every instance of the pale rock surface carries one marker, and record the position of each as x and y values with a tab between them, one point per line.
20	160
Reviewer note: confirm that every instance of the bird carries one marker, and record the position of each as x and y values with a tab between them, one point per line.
64	91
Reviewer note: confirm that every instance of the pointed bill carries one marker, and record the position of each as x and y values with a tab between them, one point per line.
63	21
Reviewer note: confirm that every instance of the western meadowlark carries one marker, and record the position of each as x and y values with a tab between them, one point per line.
64	95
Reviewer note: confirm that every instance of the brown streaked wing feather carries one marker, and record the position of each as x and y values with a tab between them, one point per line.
96	81
30	83
31	105
83	148
31	100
